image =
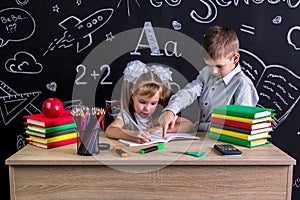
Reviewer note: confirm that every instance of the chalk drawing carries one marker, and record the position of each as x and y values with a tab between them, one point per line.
16	25
128	5
13	103
23	63
277	86
80	31
293	30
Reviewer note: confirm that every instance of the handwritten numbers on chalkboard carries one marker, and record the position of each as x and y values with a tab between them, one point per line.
77	82
82	69
102	68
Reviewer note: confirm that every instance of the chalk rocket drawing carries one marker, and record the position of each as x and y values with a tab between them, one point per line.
80	31
13	103
277	86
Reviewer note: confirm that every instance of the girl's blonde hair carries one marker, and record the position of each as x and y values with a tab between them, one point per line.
145	83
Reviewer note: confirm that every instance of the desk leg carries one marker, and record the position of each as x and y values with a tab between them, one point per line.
12	182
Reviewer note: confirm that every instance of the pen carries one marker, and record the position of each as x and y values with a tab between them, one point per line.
120	151
153	148
133	122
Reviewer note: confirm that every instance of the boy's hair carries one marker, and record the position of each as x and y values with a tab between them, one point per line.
220	41
146	85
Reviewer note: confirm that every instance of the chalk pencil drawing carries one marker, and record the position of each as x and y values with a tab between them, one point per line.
80	31
277	86
12	103
23	63
16	25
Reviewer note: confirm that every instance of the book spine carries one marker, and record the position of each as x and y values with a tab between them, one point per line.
228	139
231	128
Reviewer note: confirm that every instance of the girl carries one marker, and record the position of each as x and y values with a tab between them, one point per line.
145	92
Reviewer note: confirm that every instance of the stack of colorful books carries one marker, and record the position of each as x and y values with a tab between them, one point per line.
48	132
241	125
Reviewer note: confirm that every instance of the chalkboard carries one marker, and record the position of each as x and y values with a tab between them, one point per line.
76	50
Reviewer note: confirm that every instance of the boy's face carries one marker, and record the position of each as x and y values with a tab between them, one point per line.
222	66
144	106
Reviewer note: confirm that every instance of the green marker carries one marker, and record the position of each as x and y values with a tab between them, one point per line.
153	148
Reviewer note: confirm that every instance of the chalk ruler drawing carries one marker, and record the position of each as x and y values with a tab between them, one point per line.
16	25
80	31
24	63
277	86
13	103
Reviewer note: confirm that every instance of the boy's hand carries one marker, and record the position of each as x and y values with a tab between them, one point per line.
167	121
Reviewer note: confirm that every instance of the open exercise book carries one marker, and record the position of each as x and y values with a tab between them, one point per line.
157	138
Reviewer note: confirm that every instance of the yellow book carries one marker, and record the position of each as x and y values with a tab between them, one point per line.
53	139
242	119
243	136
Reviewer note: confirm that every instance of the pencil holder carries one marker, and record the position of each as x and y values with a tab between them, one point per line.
88	128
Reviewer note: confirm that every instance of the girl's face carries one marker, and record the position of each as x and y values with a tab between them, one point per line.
144	106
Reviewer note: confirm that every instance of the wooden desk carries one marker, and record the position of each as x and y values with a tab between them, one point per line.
260	173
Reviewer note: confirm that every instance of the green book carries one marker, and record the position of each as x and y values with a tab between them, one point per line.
243	111
50	129
237	141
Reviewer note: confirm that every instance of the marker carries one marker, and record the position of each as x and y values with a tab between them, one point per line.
120	151
153	148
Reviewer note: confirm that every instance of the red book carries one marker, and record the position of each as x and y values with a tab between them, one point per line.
43	121
242	124
53	144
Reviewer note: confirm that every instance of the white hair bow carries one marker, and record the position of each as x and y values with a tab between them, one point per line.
136	68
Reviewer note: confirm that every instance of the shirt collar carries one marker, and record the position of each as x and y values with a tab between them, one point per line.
229	76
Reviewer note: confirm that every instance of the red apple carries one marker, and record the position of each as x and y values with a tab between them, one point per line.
53	107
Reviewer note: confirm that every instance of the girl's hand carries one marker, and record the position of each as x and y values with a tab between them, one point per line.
142	137
155	130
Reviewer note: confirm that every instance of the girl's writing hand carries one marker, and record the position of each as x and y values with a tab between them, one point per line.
142	137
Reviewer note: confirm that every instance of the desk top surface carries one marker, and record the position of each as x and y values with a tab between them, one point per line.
66	155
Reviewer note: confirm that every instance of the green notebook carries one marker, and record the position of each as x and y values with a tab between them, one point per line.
243	111
50	129
237	141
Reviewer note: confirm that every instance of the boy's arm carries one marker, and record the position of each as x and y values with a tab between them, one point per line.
179	101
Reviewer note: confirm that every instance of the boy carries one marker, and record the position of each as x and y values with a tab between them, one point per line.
221	82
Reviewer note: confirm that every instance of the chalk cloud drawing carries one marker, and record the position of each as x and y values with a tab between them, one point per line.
128	5
12	103
80	31
277	19
52	86
247	29
22	3
16	25
294	30
277	86
23	63
176	25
